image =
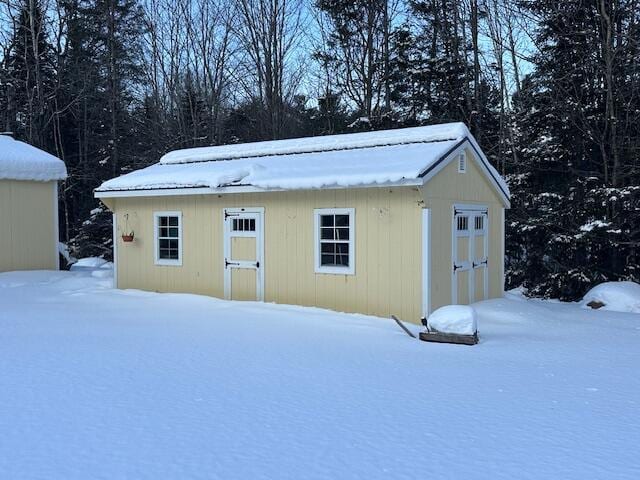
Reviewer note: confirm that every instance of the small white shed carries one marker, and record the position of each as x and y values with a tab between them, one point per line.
28	206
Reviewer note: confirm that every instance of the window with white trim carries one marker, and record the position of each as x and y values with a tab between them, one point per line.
168	238
334	238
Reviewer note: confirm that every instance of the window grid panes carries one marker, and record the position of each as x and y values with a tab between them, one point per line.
244	225
334	240
479	223
168	238
463	223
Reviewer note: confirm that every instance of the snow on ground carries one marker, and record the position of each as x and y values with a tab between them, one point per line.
21	161
103	384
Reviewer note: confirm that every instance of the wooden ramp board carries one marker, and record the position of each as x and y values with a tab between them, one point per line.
449	338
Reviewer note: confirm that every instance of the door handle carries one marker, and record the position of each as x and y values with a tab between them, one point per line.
227	263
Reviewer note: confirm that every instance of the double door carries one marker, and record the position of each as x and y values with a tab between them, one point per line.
470	255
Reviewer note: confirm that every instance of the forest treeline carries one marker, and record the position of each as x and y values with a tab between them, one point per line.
550	89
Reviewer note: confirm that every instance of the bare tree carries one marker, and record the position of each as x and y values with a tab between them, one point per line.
189	47
356	46
269	32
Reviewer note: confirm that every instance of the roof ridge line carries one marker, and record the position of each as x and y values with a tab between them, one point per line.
308	151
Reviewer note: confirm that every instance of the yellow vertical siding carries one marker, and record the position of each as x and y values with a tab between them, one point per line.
388	252
243	248
388	244
441	193
27	228
243	284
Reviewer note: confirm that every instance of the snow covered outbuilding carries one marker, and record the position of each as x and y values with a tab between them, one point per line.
28	206
389	222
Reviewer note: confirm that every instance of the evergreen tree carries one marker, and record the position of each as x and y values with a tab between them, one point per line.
102	73
29	77
432	74
576	194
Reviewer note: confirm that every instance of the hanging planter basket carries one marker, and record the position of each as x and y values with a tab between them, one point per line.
127	235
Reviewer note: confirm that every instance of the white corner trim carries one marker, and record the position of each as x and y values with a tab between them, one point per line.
351	269
487	240
426	262
114	223
454	255
502	259
56	228
156	253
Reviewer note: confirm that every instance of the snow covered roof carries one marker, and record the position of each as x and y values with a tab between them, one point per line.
21	161
348	160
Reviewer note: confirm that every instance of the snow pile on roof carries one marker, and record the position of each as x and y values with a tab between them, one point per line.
340	168
615	296
21	161
458	319
349	160
434	133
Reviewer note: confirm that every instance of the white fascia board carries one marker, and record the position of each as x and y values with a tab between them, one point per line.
172	192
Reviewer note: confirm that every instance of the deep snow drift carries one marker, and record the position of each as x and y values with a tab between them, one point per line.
99	383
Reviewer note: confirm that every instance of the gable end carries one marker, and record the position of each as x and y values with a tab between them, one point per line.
452	154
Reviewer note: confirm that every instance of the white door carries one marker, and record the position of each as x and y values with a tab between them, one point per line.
243	254
470	254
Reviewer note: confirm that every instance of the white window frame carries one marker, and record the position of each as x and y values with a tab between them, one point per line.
335	270
156	240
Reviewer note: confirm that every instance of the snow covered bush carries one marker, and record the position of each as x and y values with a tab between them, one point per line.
94	237
614	296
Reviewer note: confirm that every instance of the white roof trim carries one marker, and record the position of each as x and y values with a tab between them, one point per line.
172	192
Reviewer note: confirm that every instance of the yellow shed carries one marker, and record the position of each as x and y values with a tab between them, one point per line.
28	206
389	222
